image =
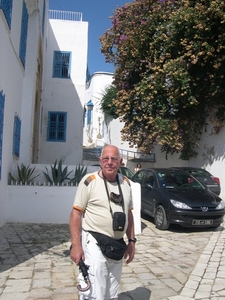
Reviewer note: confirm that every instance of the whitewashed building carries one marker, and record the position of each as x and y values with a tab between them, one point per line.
98	129
23	42
63	92
43	66
94	123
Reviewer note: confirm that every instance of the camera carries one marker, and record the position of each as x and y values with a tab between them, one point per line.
119	220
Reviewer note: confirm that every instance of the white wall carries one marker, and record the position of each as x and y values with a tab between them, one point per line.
30	85
13	80
8	60
44	204
66	95
39	204
113	134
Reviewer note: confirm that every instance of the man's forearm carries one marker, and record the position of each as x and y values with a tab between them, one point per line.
130	228
75	227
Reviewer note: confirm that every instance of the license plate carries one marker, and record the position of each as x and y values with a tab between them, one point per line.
202	222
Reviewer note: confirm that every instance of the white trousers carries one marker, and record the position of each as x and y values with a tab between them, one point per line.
104	273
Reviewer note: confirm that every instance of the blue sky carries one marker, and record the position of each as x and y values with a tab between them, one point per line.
96	13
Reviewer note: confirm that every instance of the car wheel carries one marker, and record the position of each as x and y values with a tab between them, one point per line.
160	218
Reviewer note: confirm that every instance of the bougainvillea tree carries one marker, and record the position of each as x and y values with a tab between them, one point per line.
169	59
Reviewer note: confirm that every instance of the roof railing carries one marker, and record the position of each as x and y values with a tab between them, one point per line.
94	154
65	15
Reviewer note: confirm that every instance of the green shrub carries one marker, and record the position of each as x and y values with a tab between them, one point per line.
24	175
79	173
58	175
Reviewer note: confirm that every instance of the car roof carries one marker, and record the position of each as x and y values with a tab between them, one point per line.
158	169
187	168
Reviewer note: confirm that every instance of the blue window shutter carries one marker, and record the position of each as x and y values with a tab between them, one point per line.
43	19
2	106
23	35
89	117
16	136
6	6
61	64
90	106
56	126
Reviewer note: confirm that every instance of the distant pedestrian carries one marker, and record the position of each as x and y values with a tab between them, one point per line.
138	167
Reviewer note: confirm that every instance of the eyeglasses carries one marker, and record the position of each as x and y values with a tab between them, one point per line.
106	159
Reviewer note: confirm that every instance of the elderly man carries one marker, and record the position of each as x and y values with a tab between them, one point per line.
103	205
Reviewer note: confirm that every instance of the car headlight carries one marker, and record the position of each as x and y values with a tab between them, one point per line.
179	204
221	205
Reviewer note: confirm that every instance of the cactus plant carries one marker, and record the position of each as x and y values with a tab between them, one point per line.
79	173
24	174
58	174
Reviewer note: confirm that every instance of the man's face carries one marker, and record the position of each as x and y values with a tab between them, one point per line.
110	162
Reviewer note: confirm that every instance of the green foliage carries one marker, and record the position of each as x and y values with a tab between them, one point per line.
107	104
79	173
58	175
24	174
170	71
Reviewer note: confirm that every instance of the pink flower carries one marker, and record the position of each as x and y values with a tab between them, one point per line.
123	37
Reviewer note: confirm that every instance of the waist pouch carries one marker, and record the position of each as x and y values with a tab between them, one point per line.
110	247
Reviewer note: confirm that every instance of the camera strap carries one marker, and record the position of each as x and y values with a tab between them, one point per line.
107	191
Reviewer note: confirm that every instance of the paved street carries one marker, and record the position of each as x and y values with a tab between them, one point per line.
178	264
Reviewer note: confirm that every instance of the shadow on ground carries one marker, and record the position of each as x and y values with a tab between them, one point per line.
139	293
21	242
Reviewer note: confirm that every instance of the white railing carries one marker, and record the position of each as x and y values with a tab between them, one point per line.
65	15
36	183
94	153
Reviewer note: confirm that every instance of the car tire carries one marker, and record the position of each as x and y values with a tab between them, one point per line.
160	218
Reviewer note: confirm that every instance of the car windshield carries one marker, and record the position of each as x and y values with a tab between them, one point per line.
178	180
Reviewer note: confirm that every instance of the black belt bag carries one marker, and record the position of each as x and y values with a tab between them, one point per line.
110	247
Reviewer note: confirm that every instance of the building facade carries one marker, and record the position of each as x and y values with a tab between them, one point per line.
43	66
63	91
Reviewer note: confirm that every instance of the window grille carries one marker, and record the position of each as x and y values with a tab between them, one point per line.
90	106
16	136
43	19
89	113
2	105
23	34
61	64
56	127
6	6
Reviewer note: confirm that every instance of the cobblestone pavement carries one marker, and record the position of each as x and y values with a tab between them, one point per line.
177	264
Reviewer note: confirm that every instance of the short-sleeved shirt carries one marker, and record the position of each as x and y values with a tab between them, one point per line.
91	198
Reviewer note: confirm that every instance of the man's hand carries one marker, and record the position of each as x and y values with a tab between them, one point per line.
130	252
76	253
